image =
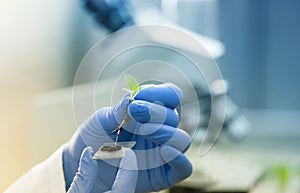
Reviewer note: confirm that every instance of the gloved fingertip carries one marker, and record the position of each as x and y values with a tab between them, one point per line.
87	166
86	176
129	161
127	175
119	110
138	107
176	90
125	101
89	150
181	140
168	94
139	111
181	167
169	153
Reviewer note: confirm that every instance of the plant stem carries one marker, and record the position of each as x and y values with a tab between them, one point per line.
119	128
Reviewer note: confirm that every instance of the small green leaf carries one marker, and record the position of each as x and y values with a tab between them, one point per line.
132	84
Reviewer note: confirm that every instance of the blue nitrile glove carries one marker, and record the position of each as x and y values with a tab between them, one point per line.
159	143
86	177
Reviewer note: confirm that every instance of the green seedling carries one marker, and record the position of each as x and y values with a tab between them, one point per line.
133	88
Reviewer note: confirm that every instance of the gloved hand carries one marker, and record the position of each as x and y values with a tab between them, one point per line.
86	177
159	143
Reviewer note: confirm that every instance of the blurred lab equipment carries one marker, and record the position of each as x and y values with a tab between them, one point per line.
115	15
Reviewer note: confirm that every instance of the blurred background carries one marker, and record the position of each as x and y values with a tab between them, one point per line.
43	43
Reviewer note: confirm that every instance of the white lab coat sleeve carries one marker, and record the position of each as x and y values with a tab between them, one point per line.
46	177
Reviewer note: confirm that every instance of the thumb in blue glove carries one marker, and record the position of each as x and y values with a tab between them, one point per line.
86	176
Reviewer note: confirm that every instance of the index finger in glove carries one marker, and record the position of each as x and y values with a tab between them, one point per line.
180	166
168	94
146	112
166	135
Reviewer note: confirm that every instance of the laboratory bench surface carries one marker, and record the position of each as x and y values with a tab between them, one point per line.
239	167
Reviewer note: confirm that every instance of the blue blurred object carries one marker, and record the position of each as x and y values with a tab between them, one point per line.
112	14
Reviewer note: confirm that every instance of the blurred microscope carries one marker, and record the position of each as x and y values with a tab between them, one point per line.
114	15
